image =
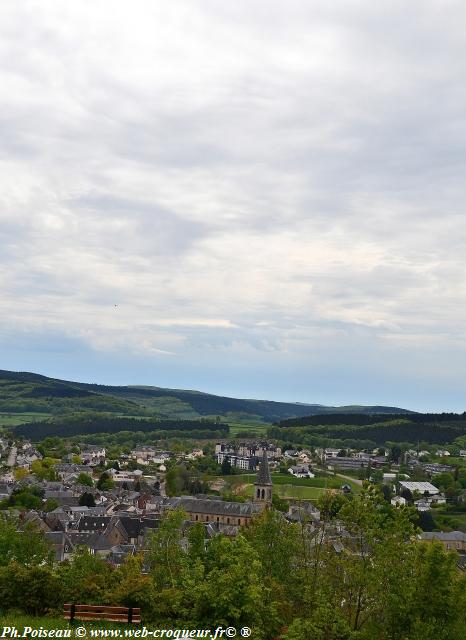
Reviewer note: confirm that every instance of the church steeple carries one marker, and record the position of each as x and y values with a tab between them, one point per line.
263	483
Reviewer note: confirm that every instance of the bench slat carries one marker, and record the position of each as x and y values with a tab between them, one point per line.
100	615
107	619
100	608
101	612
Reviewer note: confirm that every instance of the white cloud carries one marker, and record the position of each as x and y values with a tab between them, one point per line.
250	175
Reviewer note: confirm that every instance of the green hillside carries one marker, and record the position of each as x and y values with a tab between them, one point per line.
32	398
368	431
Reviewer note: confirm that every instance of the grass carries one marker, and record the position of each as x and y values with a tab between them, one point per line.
449	519
20	621
329	482
8	419
290	491
286	486
255	428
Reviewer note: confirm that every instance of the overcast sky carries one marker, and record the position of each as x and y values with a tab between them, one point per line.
253	198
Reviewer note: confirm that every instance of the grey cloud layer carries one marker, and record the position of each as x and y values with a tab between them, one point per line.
247	177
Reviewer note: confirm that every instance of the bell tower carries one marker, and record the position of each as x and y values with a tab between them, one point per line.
263	483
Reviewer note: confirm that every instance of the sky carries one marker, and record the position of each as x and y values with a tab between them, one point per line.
255	198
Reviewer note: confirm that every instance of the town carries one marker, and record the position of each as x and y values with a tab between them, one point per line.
111	505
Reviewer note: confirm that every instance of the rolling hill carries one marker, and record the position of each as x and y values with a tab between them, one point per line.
28	394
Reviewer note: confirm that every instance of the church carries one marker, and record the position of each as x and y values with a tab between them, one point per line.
226	516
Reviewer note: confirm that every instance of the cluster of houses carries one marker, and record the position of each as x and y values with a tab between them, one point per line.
427	495
116	522
120	520
246	455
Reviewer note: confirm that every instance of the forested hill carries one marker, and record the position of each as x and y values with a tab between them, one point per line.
23	392
350	430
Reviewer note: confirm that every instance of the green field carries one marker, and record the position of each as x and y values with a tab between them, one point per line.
287	486
290	491
255	428
12	419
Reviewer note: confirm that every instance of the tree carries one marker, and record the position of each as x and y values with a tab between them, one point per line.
27	547
281	551
232	592
395	453
225	468
132	588
330	503
85	479
86	500
87	578
279	503
386	492
34	589
50	505
105	482
20	473
166	557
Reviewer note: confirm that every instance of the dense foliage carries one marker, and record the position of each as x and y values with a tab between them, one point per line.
356	430
96	424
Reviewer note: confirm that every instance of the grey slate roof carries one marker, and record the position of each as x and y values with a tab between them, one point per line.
93	523
217	507
134	526
450	536
79	538
263	475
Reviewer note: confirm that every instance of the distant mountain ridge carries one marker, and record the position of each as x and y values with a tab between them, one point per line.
31	392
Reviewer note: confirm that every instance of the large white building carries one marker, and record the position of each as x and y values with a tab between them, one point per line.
421	487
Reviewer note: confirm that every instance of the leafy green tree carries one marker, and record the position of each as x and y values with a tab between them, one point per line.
225	468
105	482
86	578
279	503
27	547
133	588
86	500
85	479
330	503
50	505
395	453
33	589
25	499
166	556
233	592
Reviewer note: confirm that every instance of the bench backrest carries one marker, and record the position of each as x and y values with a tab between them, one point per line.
101	612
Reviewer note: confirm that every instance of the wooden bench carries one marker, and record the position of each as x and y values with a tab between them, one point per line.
101	612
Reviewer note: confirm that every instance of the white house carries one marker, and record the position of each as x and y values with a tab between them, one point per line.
398	501
93	455
301	471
